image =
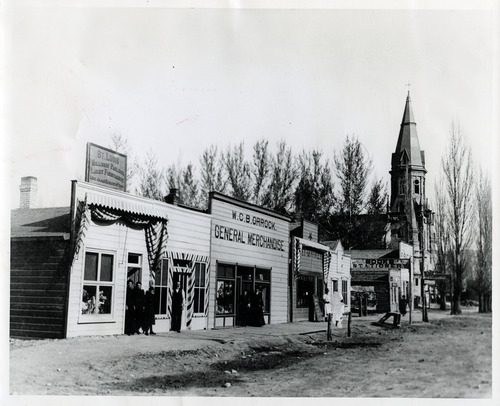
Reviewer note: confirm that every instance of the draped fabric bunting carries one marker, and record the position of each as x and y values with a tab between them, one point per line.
81	224
298	253
189	271
156	243
327	258
155	229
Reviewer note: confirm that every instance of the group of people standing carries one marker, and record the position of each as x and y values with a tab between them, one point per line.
251	308
139	309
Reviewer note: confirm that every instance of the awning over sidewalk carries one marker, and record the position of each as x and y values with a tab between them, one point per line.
299	243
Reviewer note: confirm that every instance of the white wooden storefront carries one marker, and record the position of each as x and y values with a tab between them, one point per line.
249	245
122	247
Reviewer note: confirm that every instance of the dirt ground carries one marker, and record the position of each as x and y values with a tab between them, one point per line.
449	357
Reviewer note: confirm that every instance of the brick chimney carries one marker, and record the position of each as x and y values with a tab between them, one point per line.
172	197
28	190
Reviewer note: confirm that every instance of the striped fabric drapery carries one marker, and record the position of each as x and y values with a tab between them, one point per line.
327	258
81	225
190	285
155	229
297	256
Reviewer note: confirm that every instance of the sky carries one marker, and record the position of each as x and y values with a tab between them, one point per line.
177	80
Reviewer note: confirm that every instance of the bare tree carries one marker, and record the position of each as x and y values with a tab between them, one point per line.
459	185
151	178
189	190
260	169
238	172
279	193
212	173
442	242
482	278
119	143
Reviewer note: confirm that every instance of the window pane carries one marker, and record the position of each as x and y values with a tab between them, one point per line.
90	273
203	270
246	273
164	272
263	275
134	259
201	308
105	296
266	296
89	305
163	301
225	271
197	274
305	290
157	278
225	297
106	268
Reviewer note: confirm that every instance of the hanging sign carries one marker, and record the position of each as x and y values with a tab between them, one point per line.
106	167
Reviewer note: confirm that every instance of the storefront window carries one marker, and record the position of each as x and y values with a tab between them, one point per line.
161	288
344	291
225	297
199	287
98	284
305	289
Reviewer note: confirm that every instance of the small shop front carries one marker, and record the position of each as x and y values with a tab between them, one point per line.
119	237
311	263
249	256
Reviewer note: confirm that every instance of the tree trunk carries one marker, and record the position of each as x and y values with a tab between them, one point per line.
455	304
442	301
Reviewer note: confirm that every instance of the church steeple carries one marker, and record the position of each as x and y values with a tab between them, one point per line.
408	148
407	172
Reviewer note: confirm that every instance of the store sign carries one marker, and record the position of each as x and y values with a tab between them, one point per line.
255	220
248	238
380	263
106	167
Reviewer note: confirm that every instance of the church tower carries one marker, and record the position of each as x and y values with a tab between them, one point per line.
407	180
410	216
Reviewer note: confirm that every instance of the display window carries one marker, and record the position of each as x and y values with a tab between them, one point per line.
98	284
199	287
235	286
305	290
161	288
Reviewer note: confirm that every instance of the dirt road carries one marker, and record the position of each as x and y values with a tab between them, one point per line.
449	357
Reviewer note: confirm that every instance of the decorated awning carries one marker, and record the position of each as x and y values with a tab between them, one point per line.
299	243
106	209
130	204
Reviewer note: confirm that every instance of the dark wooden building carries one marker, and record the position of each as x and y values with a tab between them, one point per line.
39	251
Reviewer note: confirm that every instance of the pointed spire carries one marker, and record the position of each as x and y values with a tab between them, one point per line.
408	140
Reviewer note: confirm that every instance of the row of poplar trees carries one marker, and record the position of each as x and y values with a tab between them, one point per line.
338	193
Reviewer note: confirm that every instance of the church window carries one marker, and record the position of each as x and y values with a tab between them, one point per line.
416	183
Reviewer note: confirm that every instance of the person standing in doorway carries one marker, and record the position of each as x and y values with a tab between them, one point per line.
177	307
139	307
402	305
149	313
130	309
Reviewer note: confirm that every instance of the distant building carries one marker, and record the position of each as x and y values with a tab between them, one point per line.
409	234
411	217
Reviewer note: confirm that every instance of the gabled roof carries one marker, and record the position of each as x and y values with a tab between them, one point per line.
408	140
372	254
46	222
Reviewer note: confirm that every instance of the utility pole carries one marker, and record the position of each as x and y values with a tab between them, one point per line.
425	318
410	290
